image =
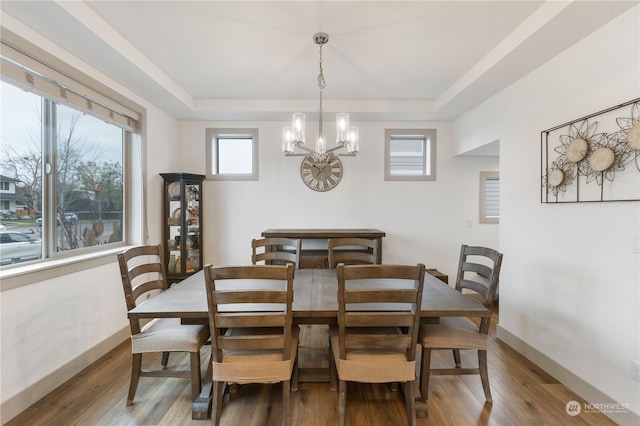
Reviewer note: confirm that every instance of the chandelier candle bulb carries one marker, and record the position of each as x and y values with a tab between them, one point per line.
342	128
297	126
321	145
287	140
354	140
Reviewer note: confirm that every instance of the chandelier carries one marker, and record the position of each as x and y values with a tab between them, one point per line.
293	138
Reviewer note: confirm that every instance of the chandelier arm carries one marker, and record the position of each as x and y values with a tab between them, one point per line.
304	148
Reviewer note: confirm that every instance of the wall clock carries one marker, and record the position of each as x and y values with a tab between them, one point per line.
321	175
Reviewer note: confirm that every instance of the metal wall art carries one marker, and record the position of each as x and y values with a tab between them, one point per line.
593	159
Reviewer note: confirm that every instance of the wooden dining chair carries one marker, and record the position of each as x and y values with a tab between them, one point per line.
352	251
253	339
276	251
378	322
143	273
478	274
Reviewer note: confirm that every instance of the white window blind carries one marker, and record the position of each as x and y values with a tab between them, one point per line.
35	76
489	197
410	155
492	197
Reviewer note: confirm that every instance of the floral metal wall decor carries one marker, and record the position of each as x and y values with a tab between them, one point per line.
582	159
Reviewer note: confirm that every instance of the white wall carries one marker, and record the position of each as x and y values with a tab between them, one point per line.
570	283
424	221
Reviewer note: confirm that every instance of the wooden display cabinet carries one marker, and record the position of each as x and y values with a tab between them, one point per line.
182	224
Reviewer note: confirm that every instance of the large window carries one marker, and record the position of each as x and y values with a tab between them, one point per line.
62	164
410	154
232	154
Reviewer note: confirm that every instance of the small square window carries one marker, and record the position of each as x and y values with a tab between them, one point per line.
410	154
232	154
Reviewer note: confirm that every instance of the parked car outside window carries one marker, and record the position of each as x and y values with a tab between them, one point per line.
16	247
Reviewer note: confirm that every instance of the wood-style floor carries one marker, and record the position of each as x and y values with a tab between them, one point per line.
522	394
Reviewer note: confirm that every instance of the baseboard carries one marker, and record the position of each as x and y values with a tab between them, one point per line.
32	394
569	379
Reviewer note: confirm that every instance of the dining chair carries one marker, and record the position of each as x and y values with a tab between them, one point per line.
276	251
352	251
251	321
478	275
377	332
143	274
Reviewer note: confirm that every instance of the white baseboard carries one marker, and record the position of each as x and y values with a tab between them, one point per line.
32	394
567	378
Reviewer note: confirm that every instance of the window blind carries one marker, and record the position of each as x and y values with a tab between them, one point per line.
492	197
407	155
33	75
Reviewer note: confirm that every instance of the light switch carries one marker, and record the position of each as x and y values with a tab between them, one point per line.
636	245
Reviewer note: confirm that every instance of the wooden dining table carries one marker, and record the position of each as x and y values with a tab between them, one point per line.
314	302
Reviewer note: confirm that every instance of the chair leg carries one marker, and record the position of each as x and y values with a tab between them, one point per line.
136	370
294	376
333	371
484	374
342	401
286	403
410	402
217	396
424	373
196	377
165	359
456	358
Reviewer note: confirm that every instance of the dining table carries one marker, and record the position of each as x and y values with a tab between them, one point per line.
315	301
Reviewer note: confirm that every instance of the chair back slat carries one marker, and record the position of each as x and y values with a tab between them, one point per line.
240	319
276	251
141	271
380	296
378	319
376	341
352	251
243	314
251	343
257	296
378	307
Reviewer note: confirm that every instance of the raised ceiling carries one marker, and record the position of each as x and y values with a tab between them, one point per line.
256	60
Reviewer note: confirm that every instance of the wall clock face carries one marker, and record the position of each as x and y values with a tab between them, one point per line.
321	175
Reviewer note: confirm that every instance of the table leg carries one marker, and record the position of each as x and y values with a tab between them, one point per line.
201	408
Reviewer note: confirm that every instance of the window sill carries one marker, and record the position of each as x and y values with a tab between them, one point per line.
28	274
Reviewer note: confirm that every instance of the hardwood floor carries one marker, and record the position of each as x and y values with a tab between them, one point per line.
522	395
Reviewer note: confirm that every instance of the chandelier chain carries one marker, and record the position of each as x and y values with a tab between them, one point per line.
321	82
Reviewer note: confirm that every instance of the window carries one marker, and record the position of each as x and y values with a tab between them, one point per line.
410	154
489	197
232	154
63	150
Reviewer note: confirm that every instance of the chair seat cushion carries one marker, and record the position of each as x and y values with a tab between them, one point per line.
453	333
169	335
371	366
265	366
